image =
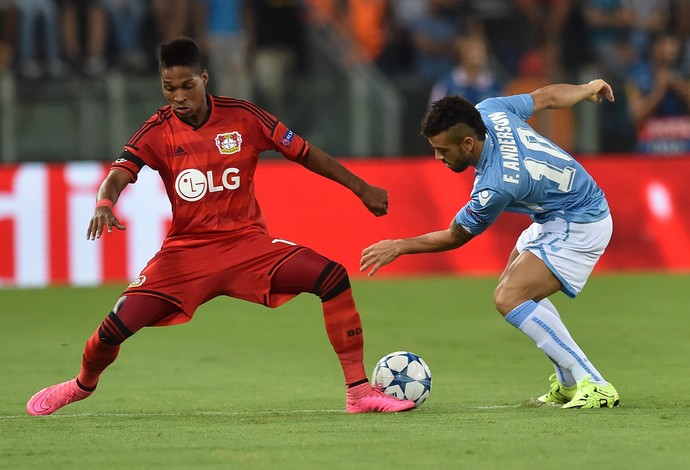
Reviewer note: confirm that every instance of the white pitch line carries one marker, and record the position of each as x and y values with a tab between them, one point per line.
224	413
494	407
196	413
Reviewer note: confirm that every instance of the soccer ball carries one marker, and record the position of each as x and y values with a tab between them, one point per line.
404	375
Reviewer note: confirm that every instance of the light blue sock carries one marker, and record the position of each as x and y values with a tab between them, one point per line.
552	337
564	376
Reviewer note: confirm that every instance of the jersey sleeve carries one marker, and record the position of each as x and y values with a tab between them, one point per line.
520	105
482	210
129	163
141	150
292	146
277	136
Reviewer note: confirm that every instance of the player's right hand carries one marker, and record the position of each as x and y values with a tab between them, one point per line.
102	218
377	255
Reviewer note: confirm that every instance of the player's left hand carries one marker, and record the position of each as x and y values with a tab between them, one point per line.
602	91
375	199
378	255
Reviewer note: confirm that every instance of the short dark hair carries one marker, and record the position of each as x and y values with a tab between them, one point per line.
183	52
450	111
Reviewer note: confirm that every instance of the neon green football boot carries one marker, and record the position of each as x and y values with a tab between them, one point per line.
591	395
558	393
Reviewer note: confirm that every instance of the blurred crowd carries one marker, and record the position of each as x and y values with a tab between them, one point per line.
474	48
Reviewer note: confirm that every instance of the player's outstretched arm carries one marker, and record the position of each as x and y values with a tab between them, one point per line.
386	251
103	217
564	95
374	198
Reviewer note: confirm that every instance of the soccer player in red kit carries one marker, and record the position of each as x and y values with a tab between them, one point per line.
206	149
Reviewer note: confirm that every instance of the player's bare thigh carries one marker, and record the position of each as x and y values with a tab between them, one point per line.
525	278
513	254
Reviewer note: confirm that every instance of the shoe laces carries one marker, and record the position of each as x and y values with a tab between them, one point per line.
372	392
378	388
556	389
70	392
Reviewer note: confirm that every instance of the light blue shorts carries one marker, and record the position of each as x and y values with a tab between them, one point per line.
570	250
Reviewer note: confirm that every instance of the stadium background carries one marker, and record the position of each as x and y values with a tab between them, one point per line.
243	386
357	93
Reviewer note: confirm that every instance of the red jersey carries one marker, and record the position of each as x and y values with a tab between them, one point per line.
208	171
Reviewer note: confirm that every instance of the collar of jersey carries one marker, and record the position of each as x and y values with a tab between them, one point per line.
485	151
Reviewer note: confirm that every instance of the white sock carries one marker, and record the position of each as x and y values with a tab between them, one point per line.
563	375
552	337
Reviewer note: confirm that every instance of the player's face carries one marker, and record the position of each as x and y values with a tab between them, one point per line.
185	91
456	156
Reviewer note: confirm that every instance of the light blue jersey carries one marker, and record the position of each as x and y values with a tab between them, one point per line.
521	171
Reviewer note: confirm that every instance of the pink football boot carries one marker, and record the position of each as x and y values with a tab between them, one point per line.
51	399
365	399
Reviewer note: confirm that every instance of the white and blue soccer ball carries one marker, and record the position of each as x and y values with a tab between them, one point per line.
404	375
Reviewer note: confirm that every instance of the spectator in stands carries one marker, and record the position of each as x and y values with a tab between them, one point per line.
226	31
433	36
545	18
126	20
365	31
547	21
575	53
367	23
7	33
607	22
503	26
659	98
38	20
329	17
85	34
557	125
405	12
607	29
646	18
322	12
472	78
681	25
278	52
175	18
397	58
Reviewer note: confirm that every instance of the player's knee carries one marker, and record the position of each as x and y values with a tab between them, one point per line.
112	330
332	281
503	300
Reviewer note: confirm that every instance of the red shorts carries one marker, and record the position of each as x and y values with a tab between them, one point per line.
239	267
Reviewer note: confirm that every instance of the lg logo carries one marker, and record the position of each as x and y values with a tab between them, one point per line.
191	185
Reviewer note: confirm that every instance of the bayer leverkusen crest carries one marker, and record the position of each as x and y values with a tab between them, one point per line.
229	143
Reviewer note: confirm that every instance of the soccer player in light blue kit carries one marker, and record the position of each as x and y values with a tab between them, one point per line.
518	170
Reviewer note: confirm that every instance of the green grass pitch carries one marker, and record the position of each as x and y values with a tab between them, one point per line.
242	386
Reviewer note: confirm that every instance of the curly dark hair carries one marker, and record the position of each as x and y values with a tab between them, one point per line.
182	51
449	111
